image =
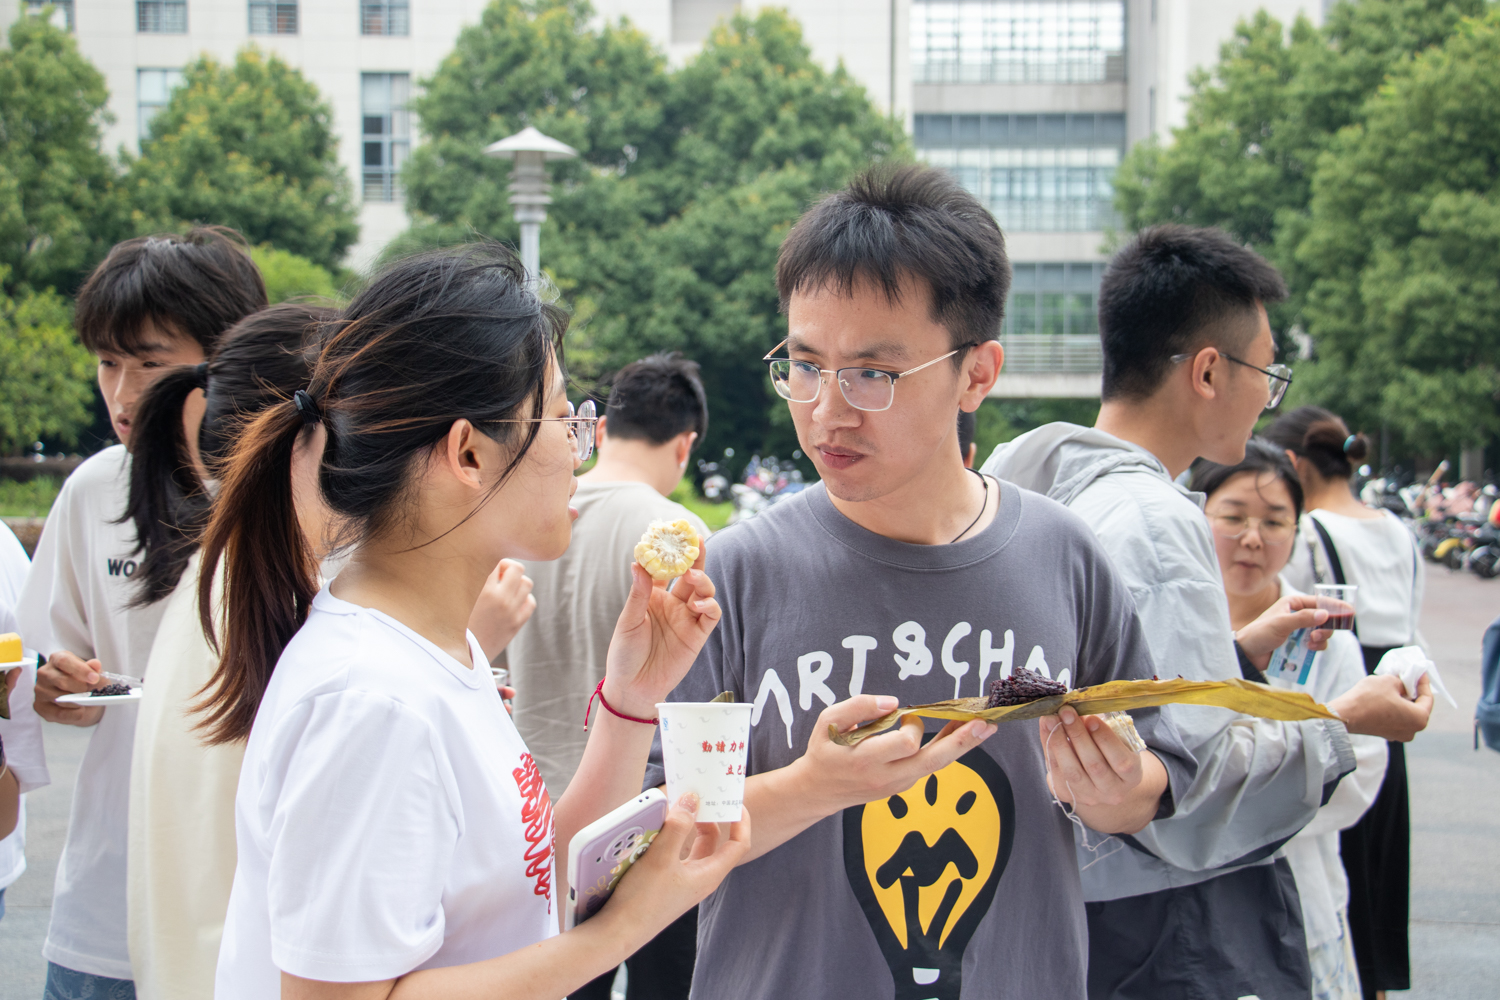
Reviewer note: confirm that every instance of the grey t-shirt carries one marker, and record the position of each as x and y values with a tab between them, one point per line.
978	857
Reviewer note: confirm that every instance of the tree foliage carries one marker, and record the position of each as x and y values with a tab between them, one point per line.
288	276
250	146
663	234
45	371
58	208
1403	249
1276	134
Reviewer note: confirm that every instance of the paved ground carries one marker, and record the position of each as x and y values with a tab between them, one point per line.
1455	928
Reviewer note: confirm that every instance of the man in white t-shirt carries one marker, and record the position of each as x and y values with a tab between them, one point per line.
25	763
657	412
154	302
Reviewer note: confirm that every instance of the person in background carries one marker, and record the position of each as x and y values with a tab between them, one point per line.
657	412
1198	905
1343	541
966	446
154	303
23	760
181	842
1253	508
395	838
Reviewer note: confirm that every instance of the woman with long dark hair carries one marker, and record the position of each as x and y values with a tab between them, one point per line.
1253	507
181	849
1343	541
395	837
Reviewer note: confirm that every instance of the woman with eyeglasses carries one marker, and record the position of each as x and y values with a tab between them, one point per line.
395	838
1253	508
1343	541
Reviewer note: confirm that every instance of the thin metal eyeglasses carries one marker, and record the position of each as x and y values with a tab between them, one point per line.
1235	526
868	389
580	427
1280	376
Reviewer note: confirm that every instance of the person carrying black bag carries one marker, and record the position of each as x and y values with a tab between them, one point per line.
1345	542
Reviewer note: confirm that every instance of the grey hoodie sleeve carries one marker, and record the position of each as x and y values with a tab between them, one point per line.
1258	781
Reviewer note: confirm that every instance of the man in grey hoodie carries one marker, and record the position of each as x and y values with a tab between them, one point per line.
1196	904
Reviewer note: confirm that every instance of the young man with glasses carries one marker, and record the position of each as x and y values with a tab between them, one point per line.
1198	905
931	861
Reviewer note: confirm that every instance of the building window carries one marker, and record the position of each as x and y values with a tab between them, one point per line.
387	133
1054	299
693	20
1018	41
167	17
62	11
393	18
1035	173
153	88
268	17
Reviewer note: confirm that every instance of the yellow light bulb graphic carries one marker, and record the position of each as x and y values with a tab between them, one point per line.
924	865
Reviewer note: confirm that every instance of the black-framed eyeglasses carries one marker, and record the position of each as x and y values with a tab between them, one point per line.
580	427
868	389
1279	376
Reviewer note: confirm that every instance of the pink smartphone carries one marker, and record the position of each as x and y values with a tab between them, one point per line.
602	852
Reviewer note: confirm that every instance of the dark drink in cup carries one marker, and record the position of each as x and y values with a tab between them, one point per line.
1338	600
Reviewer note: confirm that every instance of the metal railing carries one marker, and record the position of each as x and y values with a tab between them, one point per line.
1042	353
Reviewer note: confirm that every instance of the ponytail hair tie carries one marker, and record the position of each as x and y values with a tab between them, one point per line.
1348	443
307	408
200	375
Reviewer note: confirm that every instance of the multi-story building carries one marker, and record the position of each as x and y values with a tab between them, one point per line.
1031	104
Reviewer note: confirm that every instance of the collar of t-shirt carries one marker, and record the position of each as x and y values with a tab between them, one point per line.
906	555
474	677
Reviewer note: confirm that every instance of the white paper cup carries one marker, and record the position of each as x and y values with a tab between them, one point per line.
703	748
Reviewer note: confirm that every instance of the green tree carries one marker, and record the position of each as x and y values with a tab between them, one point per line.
288	276
250	146
1257	122
663	234
45	371
58	209
1403	247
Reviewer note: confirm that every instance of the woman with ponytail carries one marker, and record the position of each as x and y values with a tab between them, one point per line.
181	849
395	838
1343	541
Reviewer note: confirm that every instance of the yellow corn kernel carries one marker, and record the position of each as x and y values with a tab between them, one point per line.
668	549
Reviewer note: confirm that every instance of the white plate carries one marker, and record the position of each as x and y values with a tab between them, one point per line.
85	698
16	663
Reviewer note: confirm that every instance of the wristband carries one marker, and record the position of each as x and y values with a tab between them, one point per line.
599	693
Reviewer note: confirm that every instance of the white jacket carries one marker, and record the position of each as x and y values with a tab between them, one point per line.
1258	781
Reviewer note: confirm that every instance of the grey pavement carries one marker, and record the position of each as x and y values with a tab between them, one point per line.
1455	916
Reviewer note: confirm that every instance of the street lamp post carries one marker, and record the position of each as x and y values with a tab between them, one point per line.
529	186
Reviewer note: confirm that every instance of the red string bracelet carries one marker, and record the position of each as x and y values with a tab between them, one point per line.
599	693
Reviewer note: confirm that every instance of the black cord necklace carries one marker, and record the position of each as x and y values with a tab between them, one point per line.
985	481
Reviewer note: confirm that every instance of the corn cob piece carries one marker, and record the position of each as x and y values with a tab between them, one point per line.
668	549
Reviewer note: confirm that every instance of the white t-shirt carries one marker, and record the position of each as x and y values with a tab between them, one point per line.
1314	852
22	732
1379	556
388	815
76	599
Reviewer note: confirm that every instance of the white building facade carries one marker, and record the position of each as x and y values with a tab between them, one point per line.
1030	103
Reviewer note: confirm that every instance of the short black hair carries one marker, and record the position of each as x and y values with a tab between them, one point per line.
657	398
1161	294
1261	456
196	285
906	222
